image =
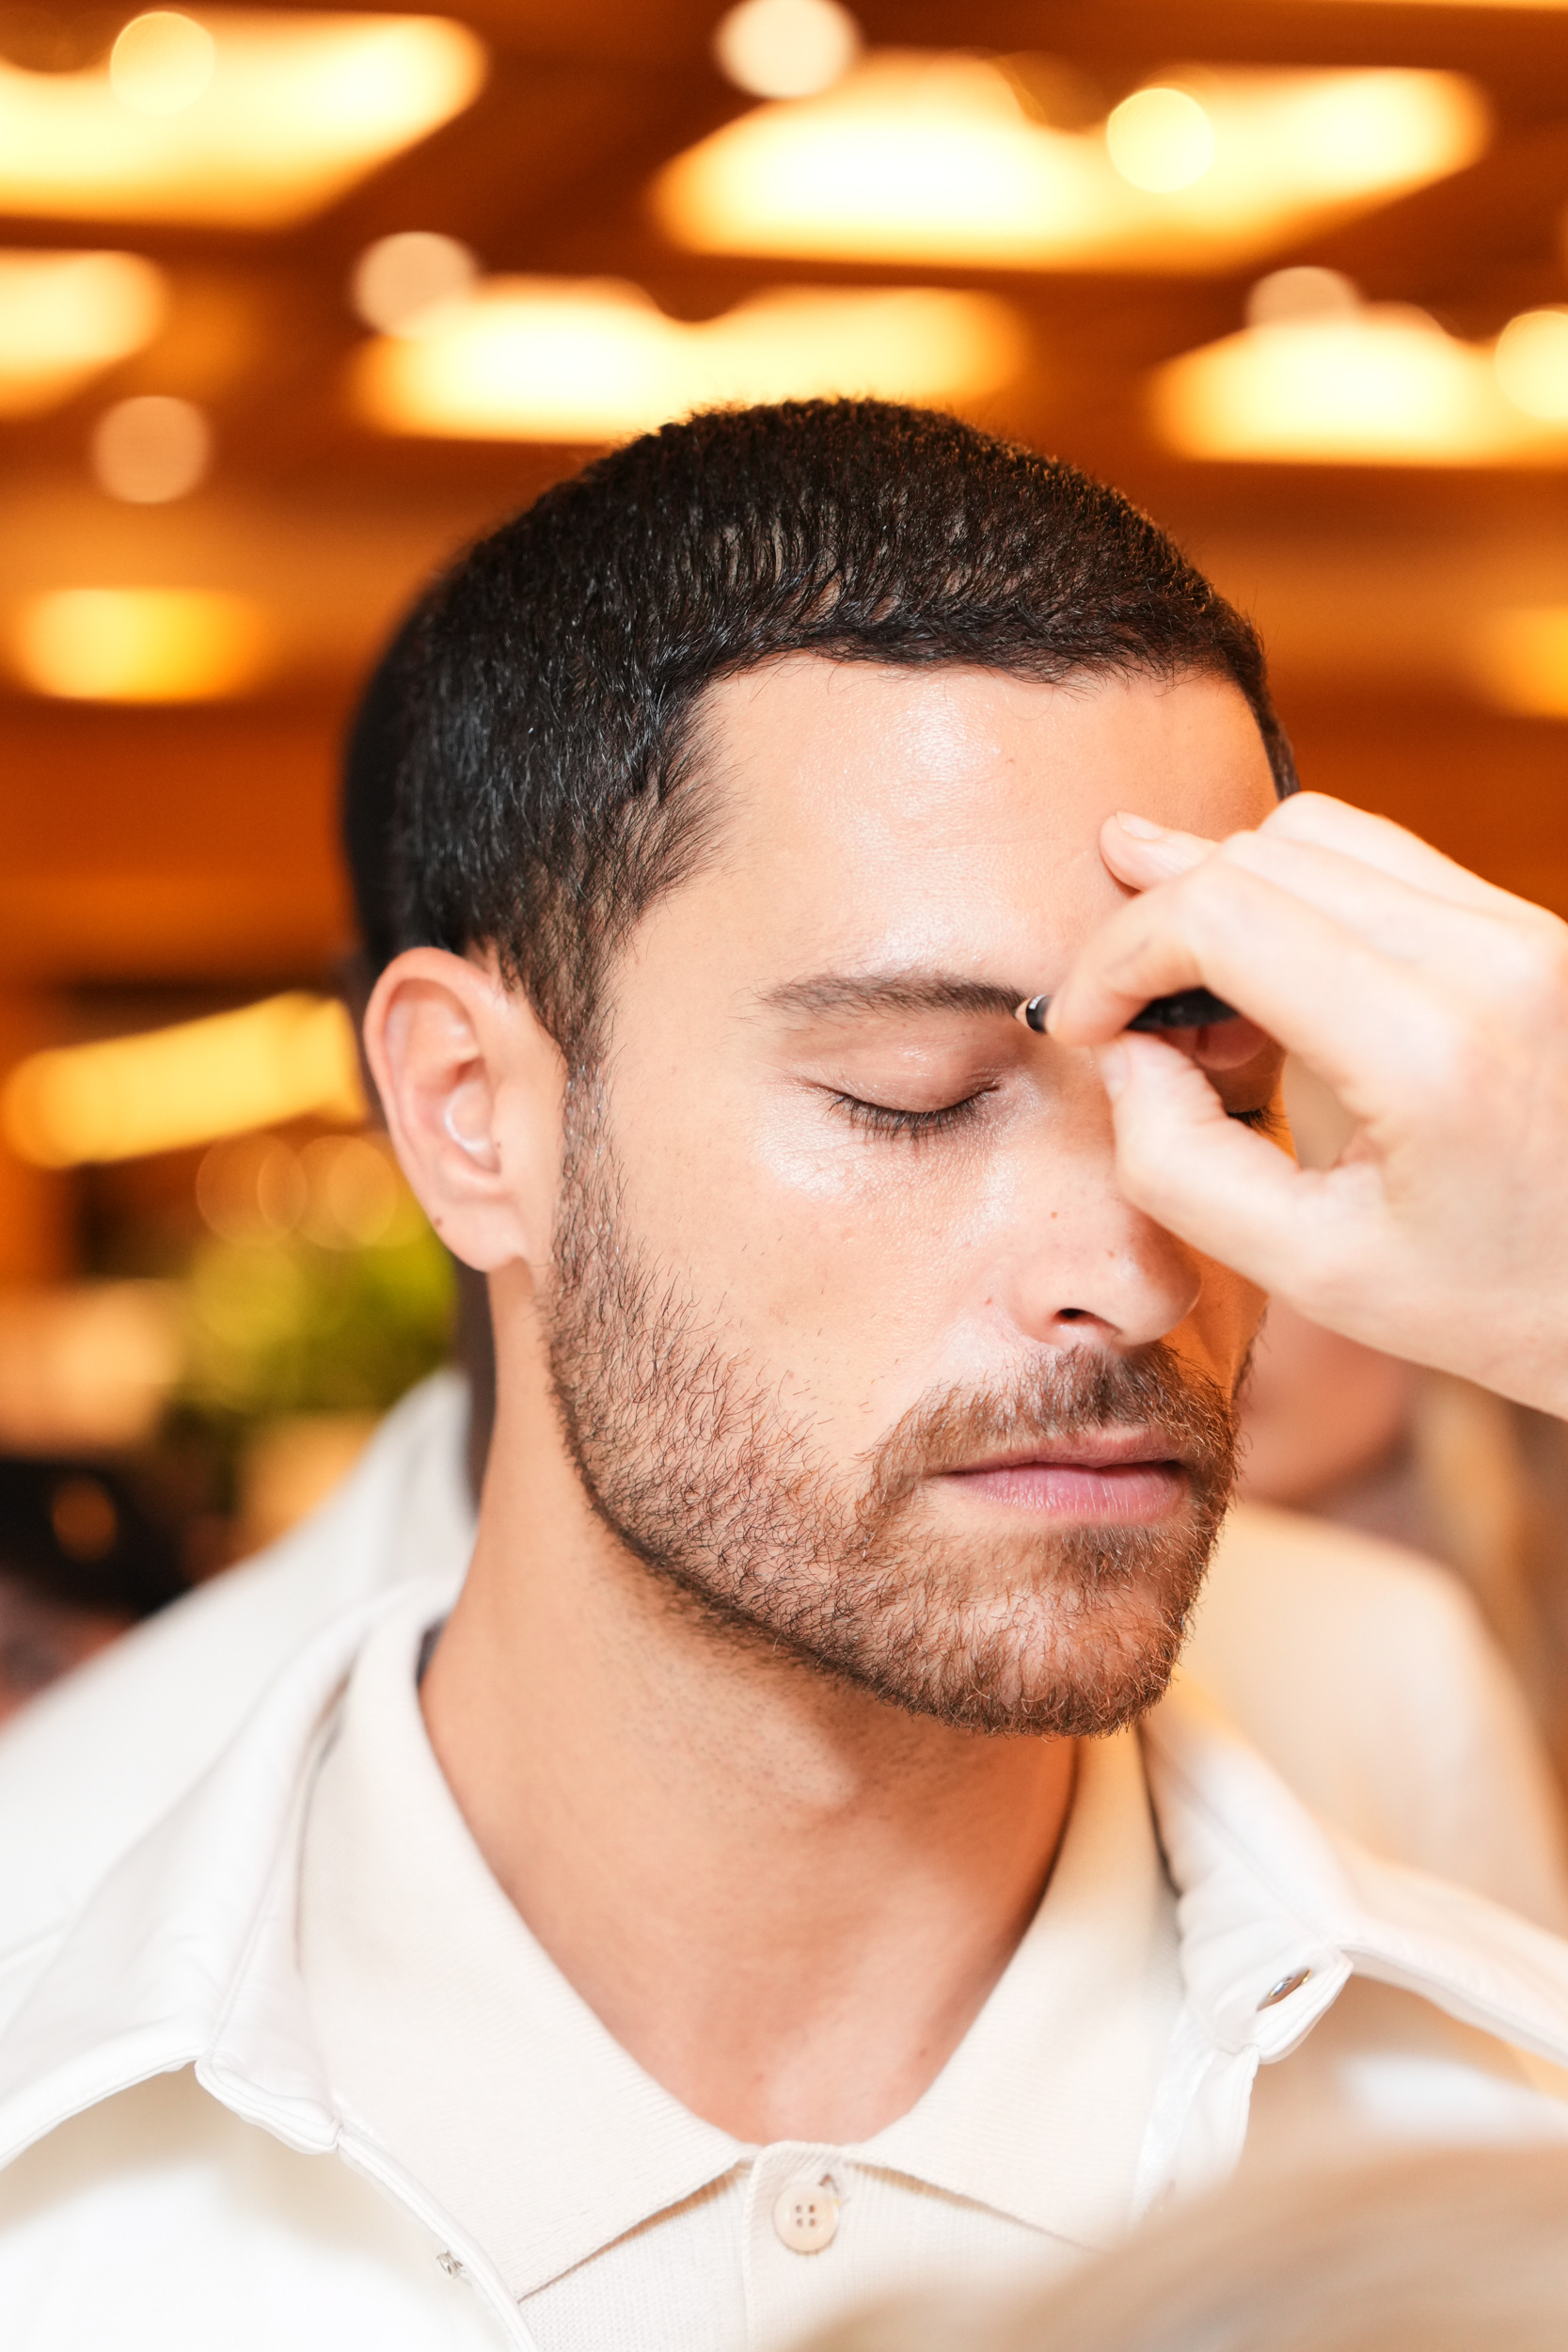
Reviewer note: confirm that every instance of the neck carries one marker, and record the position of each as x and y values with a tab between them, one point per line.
786	1898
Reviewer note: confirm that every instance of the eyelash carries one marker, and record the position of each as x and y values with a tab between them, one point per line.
1264	1120
884	1118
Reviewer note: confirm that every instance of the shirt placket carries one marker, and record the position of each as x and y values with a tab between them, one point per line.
796	2240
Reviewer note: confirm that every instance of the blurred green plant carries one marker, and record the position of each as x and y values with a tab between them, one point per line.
289	1325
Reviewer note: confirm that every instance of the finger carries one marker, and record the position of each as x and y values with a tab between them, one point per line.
1220	1187
1143	853
1302	976
1312	818
1388	912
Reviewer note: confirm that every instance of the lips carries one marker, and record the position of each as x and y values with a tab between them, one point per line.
1125	1476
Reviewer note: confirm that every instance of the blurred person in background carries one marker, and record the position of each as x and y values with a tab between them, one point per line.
1456	2251
1412	1458
717	2015
80	1563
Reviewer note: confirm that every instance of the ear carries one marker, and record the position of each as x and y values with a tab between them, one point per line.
472	1086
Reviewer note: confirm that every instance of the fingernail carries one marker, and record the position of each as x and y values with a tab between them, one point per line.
1141	828
1111	1060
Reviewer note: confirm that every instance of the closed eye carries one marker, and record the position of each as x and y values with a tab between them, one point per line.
886	1119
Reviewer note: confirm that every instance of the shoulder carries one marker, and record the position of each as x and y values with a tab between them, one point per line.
158	2221
88	1767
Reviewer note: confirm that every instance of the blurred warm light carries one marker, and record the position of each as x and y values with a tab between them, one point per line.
1531	359
1159	139
397	278
162	63
567	359
87	1364
114	1100
1300	292
292	108
355	1193
251	1188
140	644
1381	386
344	1192
1521	660
786	48
64	316
152	448
917	156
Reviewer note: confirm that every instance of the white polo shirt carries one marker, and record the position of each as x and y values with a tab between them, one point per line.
621	2221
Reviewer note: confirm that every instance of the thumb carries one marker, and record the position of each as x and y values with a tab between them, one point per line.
1203	1175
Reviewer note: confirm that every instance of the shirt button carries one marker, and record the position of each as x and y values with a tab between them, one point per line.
805	2217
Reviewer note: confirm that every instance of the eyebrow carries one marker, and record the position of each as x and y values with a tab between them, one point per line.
917	989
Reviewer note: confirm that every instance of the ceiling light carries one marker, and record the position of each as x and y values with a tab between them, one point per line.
401	275
1521	658
786	48
162	63
1531	359
66	317
563	359
138	644
1380	385
150	449
243	117
288	1057
1159	139
930	157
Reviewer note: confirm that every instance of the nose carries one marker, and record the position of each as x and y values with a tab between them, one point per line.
1088	1266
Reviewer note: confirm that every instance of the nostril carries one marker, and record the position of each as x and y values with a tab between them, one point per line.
1072	1314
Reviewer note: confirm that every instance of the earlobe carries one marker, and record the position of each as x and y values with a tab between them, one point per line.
472	1087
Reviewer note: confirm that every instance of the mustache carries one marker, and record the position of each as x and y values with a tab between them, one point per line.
1189	1415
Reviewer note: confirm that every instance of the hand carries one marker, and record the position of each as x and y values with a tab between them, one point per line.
1434	1005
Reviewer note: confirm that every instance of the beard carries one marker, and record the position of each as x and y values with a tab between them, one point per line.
689	1457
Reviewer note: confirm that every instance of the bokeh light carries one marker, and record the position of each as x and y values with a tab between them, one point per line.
1531	361
64	316
401	277
162	62
150	449
140	644
1161	140
786	48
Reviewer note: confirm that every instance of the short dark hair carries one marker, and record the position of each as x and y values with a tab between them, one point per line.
555	675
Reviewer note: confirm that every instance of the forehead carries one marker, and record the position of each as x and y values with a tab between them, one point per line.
867	814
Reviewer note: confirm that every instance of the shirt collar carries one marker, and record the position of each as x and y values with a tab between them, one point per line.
447	2027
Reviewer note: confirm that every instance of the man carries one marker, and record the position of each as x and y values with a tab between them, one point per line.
745	1892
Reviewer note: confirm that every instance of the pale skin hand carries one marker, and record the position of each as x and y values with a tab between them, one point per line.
1435	1006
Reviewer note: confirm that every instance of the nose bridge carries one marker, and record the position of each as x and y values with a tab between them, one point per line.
1085	1257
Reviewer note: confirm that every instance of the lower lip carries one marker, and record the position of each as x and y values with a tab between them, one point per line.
1130	1493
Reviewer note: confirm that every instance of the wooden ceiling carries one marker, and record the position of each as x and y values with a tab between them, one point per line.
195	846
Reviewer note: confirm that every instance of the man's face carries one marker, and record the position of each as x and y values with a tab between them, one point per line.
855	1341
